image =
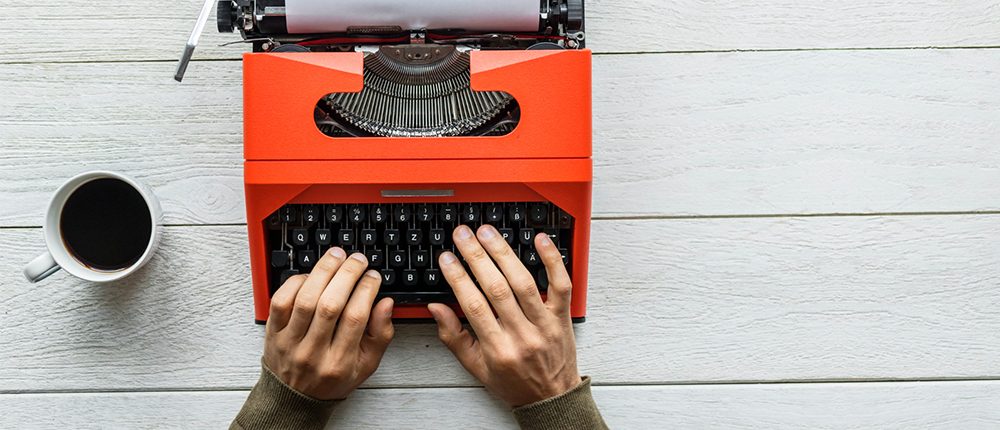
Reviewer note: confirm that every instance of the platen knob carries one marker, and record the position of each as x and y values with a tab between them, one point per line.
574	15
225	16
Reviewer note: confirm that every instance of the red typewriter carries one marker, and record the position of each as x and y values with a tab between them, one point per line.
382	129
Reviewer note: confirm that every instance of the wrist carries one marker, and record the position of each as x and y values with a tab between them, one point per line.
274	404
574	409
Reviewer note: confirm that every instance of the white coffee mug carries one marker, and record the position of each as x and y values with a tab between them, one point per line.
108	257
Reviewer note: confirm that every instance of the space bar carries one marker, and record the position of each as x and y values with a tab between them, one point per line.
419	297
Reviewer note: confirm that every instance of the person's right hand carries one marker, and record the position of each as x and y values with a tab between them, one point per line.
526	352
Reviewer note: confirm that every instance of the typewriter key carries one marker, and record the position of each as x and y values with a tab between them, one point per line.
391	236
300	237
437	236
515	213
368	236
323	236
402	213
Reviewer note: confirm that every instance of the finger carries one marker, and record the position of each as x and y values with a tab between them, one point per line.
312	289
493	283
517	275
377	338
560	287
354	319
459	341
282	303
475	306
334	299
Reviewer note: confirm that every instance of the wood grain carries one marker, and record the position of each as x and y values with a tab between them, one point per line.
144	30
925	405
691	134
707	300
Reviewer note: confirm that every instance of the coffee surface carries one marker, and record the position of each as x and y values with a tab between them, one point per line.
106	224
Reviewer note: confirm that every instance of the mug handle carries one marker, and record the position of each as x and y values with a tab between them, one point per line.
41	267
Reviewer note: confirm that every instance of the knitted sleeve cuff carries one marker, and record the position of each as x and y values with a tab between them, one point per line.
274	405
572	410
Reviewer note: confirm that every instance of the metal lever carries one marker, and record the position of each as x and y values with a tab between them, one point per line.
199	26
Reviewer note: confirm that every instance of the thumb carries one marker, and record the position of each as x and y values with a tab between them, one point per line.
376	339
458	340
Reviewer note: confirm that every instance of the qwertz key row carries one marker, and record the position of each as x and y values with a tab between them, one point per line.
403	241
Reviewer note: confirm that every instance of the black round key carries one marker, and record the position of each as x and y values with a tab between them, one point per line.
432	276
414	236
401	213
368	236
391	236
380	213
539	212
288	213
420	258
280	257
323	236
300	236
410	277
448	213
470	213
397	258
310	214
425	213
334	213
306	258
356	213
388	277
526	236
375	257
494	213
437	236
516	213
531	258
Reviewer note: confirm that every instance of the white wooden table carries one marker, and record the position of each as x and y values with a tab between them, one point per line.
796	204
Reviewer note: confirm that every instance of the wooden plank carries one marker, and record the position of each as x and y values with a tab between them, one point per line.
87	30
692	134
758	299
652	25
886	405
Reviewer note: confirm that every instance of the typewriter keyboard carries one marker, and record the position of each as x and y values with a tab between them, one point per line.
403	241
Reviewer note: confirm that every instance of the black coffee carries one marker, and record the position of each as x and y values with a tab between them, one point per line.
106	224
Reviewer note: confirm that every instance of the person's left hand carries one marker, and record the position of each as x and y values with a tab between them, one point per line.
315	338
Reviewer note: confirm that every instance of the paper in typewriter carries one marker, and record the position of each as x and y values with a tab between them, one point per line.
332	16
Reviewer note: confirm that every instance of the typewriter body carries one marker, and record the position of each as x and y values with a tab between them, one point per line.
381	126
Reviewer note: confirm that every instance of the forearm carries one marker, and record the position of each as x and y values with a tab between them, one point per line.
572	410
274	405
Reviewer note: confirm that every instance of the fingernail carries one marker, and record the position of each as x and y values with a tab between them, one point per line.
359	256
434	313
463	232
338	252
487	232
373	274
447	258
546	241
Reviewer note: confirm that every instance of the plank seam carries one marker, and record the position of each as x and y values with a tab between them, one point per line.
643	384
709	51
658	217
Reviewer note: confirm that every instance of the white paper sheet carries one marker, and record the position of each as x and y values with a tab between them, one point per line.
331	16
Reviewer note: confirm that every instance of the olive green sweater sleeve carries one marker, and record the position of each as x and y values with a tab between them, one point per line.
274	405
572	410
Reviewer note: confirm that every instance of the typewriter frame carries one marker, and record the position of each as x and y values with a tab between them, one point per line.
545	158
